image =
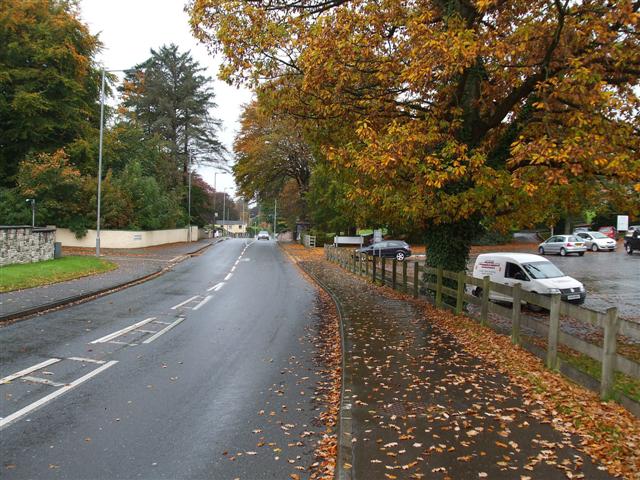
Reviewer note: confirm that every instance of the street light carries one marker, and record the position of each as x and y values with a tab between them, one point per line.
33	211
104	72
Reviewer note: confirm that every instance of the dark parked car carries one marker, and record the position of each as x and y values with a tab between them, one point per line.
632	243
388	248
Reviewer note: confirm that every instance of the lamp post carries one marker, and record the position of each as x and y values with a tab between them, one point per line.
189	195
104	72
224	199
33	211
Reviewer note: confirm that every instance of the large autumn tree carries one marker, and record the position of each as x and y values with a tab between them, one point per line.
464	112
49	82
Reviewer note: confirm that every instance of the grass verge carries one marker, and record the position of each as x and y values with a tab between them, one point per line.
27	275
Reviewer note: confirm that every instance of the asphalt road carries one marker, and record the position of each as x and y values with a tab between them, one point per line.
201	373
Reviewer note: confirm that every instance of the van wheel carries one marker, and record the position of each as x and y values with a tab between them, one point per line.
477	292
563	252
628	249
541	250
594	248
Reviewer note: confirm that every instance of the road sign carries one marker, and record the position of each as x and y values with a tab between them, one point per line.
623	223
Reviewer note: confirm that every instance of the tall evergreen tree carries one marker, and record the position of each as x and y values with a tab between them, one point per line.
168	95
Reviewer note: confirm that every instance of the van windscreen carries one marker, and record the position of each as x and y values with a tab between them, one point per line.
542	270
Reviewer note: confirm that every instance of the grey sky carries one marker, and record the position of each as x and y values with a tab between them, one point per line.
130	28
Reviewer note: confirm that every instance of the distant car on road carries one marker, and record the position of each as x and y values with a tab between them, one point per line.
632	243
387	248
597	241
263	235
563	245
609	231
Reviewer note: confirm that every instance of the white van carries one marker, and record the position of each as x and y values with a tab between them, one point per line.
534	273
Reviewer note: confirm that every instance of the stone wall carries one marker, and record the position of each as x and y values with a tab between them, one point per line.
22	244
126	238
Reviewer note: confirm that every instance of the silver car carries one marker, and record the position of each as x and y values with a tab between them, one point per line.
563	245
597	241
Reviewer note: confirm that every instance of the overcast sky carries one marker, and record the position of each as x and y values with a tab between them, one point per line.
130	28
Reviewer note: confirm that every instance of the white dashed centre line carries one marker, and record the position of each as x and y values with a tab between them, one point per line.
229	275
216	287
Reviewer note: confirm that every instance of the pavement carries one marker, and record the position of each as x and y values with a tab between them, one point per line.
422	407
133	264
213	370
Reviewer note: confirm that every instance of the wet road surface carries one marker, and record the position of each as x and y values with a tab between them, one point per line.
205	372
423	408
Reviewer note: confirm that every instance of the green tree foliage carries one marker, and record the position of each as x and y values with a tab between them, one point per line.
168	95
48	80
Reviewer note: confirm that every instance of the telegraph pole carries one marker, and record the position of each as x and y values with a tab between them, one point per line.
275	219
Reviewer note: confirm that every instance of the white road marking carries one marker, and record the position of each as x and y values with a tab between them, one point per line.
216	287
86	360
28	370
185	302
175	258
113	335
43	381
146	331
164	330
229	275
44	400
123	343
233	269
161	322
206	299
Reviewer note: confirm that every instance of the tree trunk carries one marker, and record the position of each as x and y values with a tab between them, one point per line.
448	246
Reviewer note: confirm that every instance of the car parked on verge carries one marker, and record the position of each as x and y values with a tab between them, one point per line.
263	235
597	241
534	273
632	243
387	248
563	245
610	232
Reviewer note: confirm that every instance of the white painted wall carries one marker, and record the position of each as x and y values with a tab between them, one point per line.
125	238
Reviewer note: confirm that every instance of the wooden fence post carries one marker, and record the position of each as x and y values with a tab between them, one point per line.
373	269
416	280
554	332
353	262
460	292
404	277
484	309
439	287
515	314
383	269
366	265
609	350
394	271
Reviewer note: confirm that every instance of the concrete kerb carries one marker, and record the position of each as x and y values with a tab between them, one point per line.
85	297
345	437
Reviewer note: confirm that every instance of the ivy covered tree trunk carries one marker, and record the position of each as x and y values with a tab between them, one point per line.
448	246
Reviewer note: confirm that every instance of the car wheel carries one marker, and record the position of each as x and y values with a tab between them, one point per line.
400	256
581	254
628	249
563	252
594	248
477	292
541	250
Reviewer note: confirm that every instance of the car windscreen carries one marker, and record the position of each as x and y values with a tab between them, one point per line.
539	270
598	235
